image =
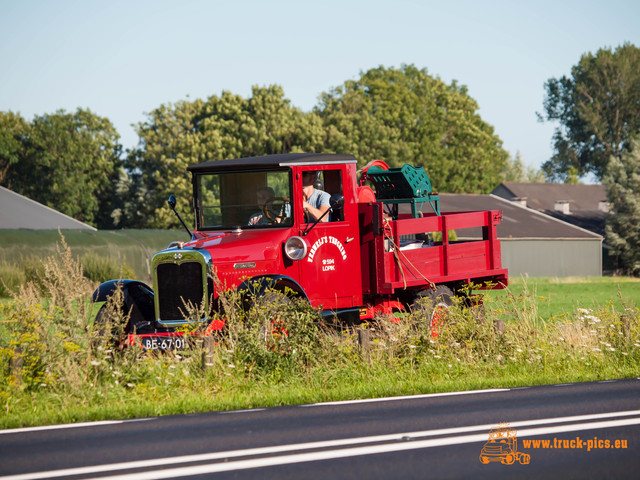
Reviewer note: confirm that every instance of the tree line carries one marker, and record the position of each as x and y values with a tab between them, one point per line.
73	162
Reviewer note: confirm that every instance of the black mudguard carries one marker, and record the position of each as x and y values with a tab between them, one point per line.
138	300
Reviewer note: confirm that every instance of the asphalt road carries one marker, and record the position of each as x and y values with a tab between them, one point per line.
426	436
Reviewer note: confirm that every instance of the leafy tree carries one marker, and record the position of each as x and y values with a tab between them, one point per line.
597	108
13	130
407	116
515	170
622	180
189	132
67	161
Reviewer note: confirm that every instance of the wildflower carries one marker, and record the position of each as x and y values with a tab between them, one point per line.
95	363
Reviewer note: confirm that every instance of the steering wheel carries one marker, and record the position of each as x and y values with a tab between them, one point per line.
268	211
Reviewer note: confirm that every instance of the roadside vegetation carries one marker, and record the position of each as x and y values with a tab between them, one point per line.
57	366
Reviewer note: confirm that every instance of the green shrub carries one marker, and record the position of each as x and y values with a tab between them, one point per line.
278	336
11	277
99	269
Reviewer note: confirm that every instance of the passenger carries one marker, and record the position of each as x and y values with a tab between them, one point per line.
316	201
263	196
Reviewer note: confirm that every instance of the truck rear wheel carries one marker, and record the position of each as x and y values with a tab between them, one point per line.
435	308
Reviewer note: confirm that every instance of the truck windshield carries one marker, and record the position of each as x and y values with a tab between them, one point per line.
247	199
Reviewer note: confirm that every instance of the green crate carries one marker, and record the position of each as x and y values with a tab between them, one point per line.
407	184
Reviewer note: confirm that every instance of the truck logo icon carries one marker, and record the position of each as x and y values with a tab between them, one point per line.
502	446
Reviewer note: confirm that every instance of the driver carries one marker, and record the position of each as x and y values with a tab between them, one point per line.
316	201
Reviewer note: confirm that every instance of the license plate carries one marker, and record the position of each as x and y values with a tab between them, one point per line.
164	343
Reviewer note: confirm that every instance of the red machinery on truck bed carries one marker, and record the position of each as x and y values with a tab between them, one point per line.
376	253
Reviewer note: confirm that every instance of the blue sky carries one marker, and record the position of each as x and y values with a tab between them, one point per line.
122	59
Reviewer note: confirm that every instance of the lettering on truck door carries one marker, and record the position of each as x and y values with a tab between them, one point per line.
330	273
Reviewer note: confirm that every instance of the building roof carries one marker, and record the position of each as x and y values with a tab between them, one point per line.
18	211
517	222
543	196
592	220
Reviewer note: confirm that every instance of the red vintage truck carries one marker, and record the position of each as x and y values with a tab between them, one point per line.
375	250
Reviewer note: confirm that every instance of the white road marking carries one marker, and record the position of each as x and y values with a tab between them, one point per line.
246	410
386	443
351	452
406	397
67	425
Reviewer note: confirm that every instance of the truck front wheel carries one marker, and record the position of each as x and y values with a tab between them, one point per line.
433	304
268	308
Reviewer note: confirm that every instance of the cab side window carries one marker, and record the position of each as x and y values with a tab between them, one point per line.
332	184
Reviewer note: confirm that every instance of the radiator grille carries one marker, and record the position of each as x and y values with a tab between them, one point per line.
178	283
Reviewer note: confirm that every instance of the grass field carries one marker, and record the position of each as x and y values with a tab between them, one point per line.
558	298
